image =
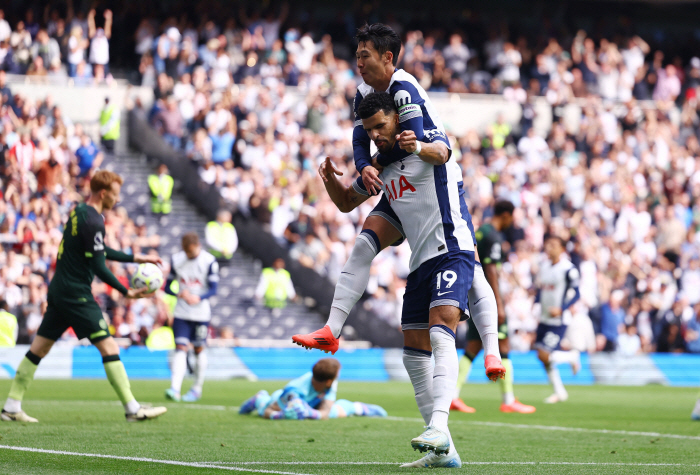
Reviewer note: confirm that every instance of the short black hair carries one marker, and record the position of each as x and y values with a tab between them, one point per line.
375	102
3	305
503	206
382	36
559	239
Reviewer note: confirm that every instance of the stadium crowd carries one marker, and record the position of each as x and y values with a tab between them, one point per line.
75	45
622	188
46	162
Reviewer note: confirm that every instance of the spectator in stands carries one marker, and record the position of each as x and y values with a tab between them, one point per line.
110	125
77	45
88	157
5	30
161	186
170	124
612	322
221	236
628	342
47	49
275	286
99	44
692	332
670	339
456	55
8	326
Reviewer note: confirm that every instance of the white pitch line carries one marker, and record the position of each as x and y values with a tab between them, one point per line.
463	463
408	419
554	428
117	403
145	459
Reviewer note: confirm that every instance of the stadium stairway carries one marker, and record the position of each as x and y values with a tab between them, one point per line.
234	306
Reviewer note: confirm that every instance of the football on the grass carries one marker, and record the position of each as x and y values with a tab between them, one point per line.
147	275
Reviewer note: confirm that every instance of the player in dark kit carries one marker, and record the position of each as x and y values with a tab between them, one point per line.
81	256
488	244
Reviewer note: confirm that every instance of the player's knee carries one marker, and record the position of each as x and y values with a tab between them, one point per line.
383	230
446	315
543	356
107	347
198	349
181	348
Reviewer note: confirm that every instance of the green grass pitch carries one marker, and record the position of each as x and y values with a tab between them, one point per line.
630	430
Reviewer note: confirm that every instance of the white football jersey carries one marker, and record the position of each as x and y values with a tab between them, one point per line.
557	284
429	202
194	275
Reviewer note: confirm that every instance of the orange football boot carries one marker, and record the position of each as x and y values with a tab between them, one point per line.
494	368
458	405
518	406
321	339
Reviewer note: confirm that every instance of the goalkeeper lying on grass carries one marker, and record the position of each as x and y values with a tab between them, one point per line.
311	396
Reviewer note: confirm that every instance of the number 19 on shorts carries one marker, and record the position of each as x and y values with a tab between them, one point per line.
449	276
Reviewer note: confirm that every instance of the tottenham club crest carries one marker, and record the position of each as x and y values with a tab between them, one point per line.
401	98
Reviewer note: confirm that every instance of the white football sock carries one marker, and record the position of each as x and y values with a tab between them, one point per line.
555	379
556	357
420	370
178	370
132	407
337	317
696	410
484	313
200	370
352	281
12	405
442	340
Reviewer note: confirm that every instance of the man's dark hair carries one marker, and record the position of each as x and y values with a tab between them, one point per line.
375	102
383	39
326	369
557	238
4	306
503	207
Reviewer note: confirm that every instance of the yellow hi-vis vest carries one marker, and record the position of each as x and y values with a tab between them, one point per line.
171	300
222	234
276	292
162	338
110	113
500	132
8	329
161	193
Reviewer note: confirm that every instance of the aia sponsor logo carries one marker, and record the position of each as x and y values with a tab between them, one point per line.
394	190
194	282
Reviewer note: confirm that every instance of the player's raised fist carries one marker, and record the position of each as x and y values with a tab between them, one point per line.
327	170
407	141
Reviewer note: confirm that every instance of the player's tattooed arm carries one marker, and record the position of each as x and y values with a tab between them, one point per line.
346	198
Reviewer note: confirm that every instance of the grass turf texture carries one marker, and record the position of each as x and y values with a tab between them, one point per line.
82	416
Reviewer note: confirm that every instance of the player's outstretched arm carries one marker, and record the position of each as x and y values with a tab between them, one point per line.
114	255
344	197
99	267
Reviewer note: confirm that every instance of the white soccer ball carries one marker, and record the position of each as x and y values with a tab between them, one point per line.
147	275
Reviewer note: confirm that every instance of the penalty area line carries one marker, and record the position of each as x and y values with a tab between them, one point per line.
146	460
